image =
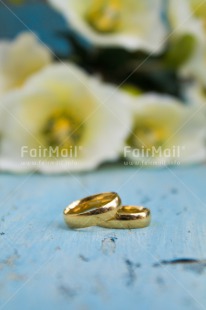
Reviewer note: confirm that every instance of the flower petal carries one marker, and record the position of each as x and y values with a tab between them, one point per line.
169	126
100	110
21	58
140	23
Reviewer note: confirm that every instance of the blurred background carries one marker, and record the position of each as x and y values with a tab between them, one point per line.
158	48
39	17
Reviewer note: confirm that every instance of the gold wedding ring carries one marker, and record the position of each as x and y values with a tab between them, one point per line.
92	211
129	217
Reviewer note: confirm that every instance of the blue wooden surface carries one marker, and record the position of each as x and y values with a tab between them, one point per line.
44	265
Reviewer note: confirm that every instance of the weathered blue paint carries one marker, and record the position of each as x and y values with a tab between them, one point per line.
44	265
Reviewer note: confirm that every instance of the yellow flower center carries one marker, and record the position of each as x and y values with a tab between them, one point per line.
105	15
199	10
147	136
62	130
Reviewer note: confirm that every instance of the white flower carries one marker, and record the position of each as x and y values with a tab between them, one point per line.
187	17
195	67
165	132
131	24
20	59
62	107
195	94
198	13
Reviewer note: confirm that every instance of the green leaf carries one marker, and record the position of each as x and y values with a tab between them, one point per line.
180	50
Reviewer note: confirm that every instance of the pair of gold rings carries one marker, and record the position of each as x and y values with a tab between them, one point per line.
105	210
